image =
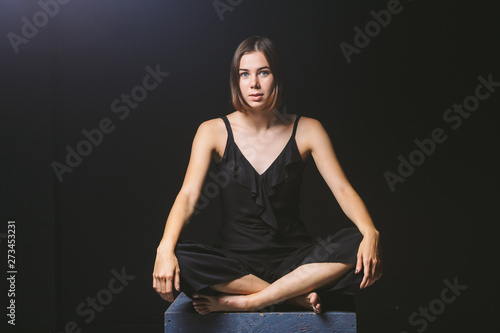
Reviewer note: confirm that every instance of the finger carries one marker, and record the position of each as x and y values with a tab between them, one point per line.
164	296
163	285
162	289
177	279
374	268
365	278
367	275
168	288
377	271
157	285
363	282
359	265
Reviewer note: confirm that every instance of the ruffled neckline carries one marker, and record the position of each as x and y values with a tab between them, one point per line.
271	165
264	185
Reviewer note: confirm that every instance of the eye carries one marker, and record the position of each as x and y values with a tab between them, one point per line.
264	73
244	74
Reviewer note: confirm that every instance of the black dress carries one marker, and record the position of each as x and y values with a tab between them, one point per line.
262	233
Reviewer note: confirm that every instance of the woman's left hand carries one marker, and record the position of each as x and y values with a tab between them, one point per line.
369	258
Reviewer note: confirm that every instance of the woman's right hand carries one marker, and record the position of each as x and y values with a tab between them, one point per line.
165	274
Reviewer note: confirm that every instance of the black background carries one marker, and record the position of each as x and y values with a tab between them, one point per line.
109	212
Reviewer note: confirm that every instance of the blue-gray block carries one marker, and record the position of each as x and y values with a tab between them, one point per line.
181	317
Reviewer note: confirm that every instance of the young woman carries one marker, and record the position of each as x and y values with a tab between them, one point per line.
263	255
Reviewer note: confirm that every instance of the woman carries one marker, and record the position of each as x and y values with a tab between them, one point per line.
263	255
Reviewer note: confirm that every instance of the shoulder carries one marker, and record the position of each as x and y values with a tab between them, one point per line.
308	123
215	125
309	127
207	133
212	127
311	133
211	134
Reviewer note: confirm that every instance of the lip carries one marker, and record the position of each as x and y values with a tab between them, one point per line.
256	97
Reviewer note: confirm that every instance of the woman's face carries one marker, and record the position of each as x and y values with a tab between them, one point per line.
256	79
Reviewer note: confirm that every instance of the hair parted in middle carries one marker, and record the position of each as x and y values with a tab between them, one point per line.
268	48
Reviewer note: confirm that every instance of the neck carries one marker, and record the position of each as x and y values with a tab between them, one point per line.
265	119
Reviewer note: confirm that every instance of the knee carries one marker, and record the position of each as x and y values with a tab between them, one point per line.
349	265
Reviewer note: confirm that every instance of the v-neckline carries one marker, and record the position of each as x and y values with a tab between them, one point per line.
277	157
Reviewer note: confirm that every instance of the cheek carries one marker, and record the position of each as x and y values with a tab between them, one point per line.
269	84
242	85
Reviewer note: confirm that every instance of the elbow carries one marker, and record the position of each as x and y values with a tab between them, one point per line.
344	192
189	198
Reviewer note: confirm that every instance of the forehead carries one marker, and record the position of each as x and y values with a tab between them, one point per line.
253	60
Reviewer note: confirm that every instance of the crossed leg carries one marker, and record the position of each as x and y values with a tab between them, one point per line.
250	293
250	284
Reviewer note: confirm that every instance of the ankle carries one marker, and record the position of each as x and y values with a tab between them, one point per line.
253	303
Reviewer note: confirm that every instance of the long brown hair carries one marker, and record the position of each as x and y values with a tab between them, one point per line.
268	48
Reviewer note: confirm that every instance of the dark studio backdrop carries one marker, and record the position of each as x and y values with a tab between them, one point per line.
384	86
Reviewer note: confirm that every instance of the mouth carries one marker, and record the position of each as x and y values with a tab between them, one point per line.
256	97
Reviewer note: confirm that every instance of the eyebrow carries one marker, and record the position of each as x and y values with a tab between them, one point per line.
243	69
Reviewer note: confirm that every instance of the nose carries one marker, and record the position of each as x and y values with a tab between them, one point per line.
255	82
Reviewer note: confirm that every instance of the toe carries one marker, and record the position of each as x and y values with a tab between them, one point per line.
315	302
204	310
200	309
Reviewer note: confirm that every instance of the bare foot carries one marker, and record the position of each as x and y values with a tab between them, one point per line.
204	304
308	301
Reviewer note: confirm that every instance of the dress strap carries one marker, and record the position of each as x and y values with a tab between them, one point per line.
295	125
228	127
230	132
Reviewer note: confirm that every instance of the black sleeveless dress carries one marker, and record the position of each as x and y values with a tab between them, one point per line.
262	233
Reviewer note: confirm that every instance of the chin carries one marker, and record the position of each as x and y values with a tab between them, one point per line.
257	103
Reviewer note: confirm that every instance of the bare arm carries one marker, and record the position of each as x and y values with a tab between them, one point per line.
320	145
166	270
185	202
